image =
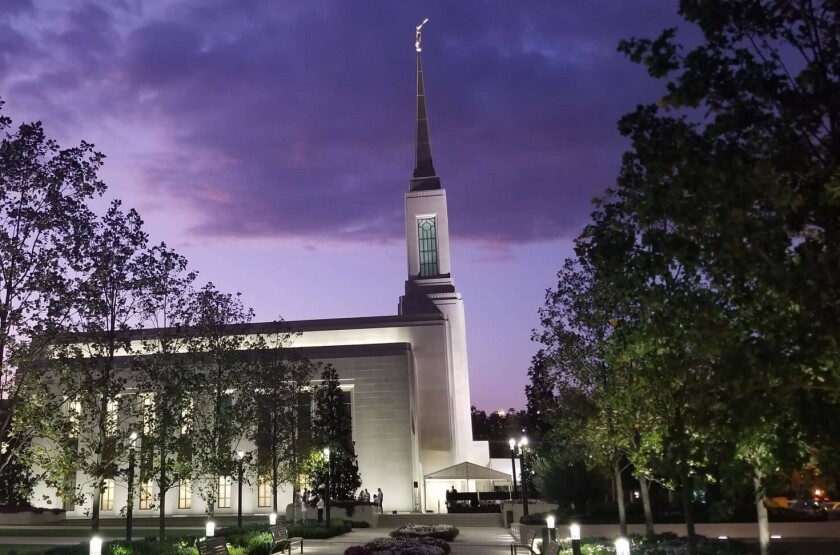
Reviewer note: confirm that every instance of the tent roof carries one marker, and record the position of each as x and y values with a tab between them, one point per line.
467	471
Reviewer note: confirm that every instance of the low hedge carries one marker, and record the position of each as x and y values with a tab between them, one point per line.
252	540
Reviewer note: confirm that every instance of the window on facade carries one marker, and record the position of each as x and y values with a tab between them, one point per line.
106	498
304	423
146	489
185	495
347	400
186	415
427	237
224	491
74	413
264	492
148	413
112	417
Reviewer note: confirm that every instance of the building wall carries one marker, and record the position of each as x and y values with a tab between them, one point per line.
400	377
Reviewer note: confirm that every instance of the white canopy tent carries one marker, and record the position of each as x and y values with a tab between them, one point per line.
468	471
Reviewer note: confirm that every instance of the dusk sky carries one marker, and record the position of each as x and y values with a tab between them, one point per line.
271	141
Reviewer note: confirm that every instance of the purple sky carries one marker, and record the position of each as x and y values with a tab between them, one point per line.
271	143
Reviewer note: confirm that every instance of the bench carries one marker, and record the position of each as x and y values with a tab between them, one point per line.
280	537
553	549
526	542
212	546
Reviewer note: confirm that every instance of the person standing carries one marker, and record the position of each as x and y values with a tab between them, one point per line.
379	498
320	506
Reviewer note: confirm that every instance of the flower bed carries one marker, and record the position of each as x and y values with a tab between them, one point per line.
662	544
401	546
445	532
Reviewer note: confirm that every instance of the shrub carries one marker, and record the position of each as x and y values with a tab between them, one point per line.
445	532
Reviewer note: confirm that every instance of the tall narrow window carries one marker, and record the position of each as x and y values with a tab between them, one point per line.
148	413
224	491
427	236
146	489
106	499
184	495
112	417
74	412
264	492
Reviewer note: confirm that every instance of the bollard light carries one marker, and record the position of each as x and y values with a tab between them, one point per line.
272	519
549	521
209	529
96	545
574	529
622	546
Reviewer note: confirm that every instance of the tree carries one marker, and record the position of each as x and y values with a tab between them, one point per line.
219	349
727	216
332	427
107	305
162	373
273	395
44	222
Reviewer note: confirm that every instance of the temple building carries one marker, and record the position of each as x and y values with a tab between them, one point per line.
405	376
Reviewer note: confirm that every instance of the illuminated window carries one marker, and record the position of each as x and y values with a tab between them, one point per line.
74	413
224	491
146	489
186	415
148	413
112	418
185	495
427	236
264	492
106	498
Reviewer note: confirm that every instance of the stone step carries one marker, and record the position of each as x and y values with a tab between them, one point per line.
482	520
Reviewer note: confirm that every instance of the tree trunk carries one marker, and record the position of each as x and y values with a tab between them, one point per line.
163	488
94	512
688	510
619	498
763	526
644	484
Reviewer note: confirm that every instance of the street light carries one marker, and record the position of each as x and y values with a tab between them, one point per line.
512	443
327	493
523	443
239	455
129	510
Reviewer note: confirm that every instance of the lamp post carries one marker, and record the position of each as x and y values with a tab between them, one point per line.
512	443
239	455
574	530
129	510
622	546
523	443
327	492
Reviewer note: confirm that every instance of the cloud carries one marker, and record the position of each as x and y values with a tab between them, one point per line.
296	119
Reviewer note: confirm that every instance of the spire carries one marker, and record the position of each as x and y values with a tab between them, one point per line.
424	170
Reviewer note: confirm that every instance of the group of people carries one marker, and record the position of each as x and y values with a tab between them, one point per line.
364	497
311	500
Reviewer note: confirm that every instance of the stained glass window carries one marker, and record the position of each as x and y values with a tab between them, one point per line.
427	236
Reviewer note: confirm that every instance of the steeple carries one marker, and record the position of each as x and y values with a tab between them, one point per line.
424	177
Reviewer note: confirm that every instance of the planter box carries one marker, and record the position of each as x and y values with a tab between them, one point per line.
362	513
26	518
